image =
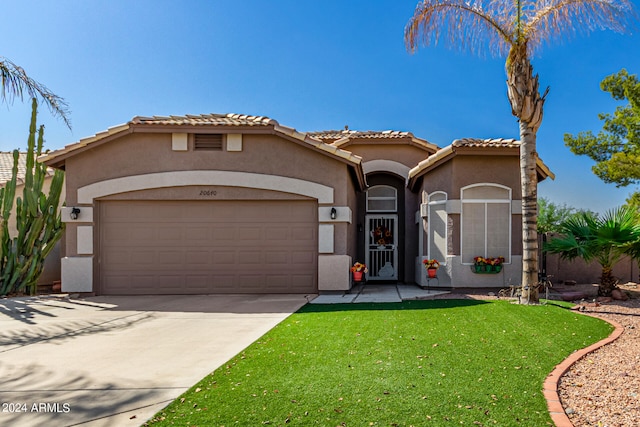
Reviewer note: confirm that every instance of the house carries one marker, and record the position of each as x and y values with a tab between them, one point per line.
227	203
51	271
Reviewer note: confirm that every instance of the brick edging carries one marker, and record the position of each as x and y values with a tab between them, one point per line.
550	387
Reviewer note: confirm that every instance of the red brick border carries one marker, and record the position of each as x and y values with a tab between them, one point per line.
550	387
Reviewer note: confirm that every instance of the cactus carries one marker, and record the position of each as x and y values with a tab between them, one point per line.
38	222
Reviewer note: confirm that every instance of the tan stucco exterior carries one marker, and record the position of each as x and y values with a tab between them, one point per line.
154	159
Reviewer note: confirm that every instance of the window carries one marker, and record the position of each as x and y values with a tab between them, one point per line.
486	222
437	237
382	198
207	142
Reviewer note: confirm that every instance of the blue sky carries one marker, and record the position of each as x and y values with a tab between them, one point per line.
309	65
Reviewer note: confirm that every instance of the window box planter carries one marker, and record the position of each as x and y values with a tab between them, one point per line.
486	269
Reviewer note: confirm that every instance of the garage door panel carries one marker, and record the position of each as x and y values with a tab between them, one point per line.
163	247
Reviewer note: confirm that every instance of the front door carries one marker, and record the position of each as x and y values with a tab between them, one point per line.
381	251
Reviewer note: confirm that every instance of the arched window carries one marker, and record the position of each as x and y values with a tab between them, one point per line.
437	231
486	222
382	198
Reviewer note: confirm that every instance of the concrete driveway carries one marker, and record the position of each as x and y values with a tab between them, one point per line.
116	361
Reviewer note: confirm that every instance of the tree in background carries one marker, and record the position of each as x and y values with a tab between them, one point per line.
16	82
552	215
38	222
634	200
516	30
604	238
616	148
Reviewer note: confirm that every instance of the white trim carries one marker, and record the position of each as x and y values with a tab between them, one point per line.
234	142
77	274
441	203
486	202
343	214
386	166
437	202
179	141
394	198
85	215
88	193
325	238
84	242
485	184
333	272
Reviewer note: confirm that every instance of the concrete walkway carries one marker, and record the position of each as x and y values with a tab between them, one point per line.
378	293
116	361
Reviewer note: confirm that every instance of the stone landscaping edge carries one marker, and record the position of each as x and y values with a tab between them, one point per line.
550	387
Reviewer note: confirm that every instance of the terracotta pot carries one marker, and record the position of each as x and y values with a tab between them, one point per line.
358	276
432	273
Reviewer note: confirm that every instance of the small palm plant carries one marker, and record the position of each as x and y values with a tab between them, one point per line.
604	238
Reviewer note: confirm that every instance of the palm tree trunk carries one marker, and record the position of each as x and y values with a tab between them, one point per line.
529	189
607	282
527	106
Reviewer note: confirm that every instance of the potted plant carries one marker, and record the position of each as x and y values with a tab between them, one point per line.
432	267
487	265
495	264
358	271
479	264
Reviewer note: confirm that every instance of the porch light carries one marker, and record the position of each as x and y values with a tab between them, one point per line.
334	213
74	213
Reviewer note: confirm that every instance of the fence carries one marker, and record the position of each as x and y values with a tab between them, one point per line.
563	270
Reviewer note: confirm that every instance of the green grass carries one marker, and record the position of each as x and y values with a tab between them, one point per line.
417	363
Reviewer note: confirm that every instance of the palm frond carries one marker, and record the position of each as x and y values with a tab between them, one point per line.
552	20
479	26
16	83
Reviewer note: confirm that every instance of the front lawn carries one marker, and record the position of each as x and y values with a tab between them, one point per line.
416	363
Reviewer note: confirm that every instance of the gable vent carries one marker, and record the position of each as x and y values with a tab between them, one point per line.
210	142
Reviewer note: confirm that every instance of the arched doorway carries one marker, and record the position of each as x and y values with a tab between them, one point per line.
383	241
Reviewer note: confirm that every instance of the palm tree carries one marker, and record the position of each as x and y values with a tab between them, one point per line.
516	30
16	82
604	239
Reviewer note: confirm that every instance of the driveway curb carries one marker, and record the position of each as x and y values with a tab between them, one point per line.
550	387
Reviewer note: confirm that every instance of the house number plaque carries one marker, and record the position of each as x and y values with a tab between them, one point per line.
208	193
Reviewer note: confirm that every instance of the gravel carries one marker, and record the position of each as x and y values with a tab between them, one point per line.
603	388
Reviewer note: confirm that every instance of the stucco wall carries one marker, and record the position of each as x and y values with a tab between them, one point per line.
503	170
141	153
408	155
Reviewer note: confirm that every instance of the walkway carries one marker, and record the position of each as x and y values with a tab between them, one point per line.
378	293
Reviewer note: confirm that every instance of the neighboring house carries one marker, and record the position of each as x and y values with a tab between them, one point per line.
51	271
241	204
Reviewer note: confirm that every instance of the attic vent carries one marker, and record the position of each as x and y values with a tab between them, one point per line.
209	142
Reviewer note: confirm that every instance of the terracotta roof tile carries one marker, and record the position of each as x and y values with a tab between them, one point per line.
205	120
334	135
494	142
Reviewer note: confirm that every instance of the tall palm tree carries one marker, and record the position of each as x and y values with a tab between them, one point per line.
516	30
604	238
16	82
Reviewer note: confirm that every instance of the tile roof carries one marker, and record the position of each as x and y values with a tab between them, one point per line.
495	142
449	151
334	135
205	120
56	158
6	167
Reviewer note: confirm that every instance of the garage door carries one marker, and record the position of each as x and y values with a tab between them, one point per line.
193	247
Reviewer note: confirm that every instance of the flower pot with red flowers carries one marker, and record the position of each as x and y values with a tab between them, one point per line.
432	266
358	270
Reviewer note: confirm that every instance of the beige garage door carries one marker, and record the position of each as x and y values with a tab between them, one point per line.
193	247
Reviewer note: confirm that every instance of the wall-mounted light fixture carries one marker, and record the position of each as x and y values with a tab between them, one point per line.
334	213
74	213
